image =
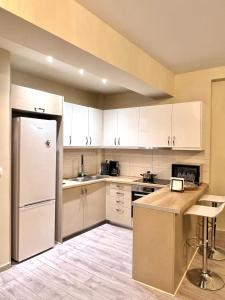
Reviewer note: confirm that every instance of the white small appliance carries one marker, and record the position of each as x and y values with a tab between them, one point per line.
33	186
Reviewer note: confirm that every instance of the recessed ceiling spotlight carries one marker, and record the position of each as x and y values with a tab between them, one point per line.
81	71
104	80
49	59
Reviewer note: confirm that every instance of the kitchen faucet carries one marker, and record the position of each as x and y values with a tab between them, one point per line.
82	174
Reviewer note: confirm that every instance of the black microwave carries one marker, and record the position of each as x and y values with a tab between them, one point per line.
190	172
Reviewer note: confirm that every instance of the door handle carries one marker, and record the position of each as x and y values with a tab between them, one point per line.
168	141
39	109
173	140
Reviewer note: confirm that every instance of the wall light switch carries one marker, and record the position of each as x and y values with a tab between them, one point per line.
1	172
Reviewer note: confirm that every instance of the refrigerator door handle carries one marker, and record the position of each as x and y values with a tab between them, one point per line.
36	204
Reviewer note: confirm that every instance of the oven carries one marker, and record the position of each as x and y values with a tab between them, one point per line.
139	191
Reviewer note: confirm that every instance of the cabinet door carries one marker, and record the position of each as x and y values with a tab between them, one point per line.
155	126
110	127
28	99
186	125
128	120
80	125
94	204
95	127
67	123
72	211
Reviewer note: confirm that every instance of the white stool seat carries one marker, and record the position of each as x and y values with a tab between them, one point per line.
213	198
205	211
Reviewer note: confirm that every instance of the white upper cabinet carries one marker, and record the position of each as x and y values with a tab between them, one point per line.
155	126
27	99
121	127
67	123
80	125
127	127
187	125
95	127
110	128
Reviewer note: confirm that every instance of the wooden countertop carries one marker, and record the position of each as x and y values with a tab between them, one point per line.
173	202
113	179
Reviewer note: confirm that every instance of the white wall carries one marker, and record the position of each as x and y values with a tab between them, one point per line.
5	122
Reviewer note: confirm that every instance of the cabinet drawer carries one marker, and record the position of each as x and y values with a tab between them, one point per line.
119	214
121	197
28	99
120	187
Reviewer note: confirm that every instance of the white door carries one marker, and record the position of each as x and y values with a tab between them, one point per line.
110	128
95	127
80	125
94	204
186	125
128	120
36	229
36	157
73	211
67	123
155	126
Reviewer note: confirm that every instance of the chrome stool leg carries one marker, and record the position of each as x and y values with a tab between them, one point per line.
215	253
203	278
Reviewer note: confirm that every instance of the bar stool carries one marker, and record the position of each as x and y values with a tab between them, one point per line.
204	278
214	252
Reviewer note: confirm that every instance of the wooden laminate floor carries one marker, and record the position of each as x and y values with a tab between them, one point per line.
94	265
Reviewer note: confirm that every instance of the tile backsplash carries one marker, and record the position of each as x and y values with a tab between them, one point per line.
72	161
133	162
158	161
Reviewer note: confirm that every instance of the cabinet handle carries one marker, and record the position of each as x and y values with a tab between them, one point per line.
39	109
119	141
90	140
70	140
168	140
115	141
118	193
86	140
173	140
85	190
82	192
118	201
118	209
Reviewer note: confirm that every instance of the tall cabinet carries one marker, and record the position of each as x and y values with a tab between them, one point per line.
155	126
187	125
121	127
82	125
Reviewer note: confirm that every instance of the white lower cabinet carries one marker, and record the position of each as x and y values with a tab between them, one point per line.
73	211
118	204
94	204
83	207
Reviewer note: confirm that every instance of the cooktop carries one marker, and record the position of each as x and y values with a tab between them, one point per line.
155	181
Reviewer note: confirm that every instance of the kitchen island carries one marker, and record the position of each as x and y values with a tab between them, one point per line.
161	255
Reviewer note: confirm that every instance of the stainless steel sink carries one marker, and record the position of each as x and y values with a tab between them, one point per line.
88	178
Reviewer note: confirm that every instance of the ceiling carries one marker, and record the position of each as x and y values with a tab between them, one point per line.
184	35
33	62
29	45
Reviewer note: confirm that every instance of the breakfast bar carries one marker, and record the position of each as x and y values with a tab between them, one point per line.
161	255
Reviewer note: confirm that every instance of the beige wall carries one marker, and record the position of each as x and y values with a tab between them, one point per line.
71	94
5	122
72	161
84	30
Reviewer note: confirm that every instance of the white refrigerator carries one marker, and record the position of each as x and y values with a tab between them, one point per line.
33	186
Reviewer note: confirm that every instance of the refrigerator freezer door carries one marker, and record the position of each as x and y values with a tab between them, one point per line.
35	230
37	160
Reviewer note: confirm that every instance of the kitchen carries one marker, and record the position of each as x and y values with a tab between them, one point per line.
116	120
